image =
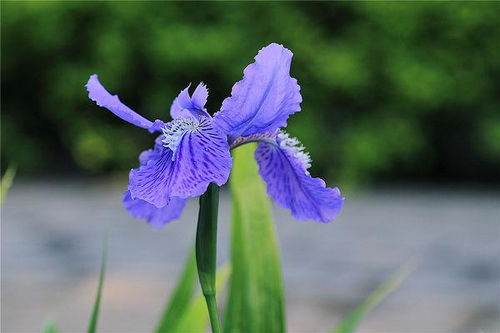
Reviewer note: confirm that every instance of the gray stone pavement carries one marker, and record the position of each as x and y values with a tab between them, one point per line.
52	237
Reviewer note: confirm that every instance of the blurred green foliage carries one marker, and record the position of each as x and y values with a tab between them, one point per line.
391	90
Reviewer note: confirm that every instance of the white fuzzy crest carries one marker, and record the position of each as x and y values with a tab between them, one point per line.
174	131
294	146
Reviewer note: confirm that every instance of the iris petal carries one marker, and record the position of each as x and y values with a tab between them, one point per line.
201	157
291	186
156	217
185	106
103	98
264	98
200	96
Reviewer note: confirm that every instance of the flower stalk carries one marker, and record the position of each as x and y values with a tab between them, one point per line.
206	250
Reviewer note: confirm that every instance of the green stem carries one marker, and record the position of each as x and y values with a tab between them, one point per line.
206	250
212	312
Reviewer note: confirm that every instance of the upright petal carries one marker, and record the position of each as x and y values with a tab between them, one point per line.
283	166
200	96
198	154
181	104
264	99
156	217
103	98
185	106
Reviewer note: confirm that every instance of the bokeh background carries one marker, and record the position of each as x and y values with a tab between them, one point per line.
391	91
401	110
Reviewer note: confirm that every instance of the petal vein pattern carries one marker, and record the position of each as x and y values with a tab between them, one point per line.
156	217
201	157
290	185
264	98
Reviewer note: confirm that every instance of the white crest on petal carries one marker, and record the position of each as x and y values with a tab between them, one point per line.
294	146
175	130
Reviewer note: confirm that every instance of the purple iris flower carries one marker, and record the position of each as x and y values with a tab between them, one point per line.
193	149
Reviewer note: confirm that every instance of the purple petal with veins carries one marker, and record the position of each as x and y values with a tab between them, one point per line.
265	97
156	217
283	166
192	157
103	98
186	106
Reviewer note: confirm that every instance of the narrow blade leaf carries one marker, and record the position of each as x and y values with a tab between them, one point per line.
351	322
7	180
195	318
97	303
179	302
255	302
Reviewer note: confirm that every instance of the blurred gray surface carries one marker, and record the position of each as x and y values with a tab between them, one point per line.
52	235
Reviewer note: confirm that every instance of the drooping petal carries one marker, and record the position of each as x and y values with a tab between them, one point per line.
103	98
192	156
185	106
264	98
147	155
283	166
150	154
156	217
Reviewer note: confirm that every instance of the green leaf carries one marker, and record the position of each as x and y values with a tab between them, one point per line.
255	302
181	297
350	323
7	180
97	303
49	327
195	318
185	313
